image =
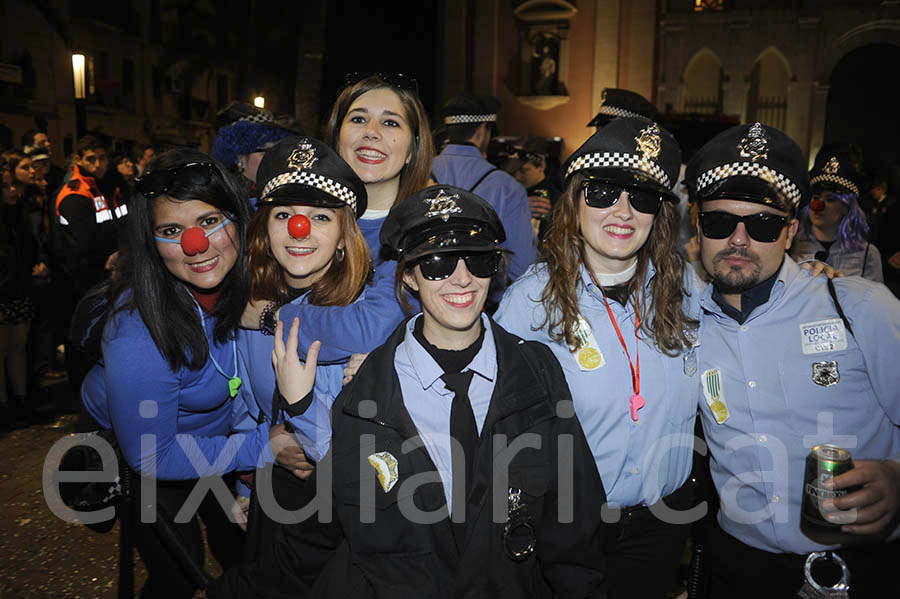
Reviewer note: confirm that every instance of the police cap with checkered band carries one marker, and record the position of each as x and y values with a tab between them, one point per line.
631	152
304	170
834	171
441	218
751	162
470	108
617	103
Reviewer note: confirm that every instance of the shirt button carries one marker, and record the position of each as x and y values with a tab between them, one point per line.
743	327
751	384
775	498
634	470
763	438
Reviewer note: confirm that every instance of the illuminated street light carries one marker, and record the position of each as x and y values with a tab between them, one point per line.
78	74
259	102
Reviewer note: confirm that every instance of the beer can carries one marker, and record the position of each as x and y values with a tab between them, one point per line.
823	463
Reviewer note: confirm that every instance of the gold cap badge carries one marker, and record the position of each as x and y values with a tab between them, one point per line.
755	145
648	141
302	157
832	166
442	205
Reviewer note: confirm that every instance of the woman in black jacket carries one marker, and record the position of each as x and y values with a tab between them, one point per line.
457	465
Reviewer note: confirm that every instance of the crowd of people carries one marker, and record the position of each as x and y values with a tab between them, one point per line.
410	370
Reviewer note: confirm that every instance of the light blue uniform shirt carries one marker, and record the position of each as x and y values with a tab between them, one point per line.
428	400
254	401
777	411
639	462
855	263
463	166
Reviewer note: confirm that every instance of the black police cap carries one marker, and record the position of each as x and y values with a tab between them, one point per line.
618	103
470	108
441	218
632	152
304	170
834	171
750	162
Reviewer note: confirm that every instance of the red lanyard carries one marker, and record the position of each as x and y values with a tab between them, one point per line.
636	402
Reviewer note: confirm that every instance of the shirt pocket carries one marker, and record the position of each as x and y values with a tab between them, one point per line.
402	574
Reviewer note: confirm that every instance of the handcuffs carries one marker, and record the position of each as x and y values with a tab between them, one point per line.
519	536
813	590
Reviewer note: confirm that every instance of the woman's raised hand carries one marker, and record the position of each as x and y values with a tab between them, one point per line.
295	379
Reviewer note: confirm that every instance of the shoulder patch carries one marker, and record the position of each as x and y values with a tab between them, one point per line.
74	184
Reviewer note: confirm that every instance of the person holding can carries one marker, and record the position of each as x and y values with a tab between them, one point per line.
788	363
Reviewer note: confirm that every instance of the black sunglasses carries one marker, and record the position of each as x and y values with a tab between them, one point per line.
436	267
398	80
156	183
599	194
762	227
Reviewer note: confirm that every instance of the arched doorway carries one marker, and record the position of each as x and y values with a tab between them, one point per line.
862	107
768	90
702	91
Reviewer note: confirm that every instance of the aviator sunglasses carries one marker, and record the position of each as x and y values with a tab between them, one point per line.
158	182
436	267
762	227
598	194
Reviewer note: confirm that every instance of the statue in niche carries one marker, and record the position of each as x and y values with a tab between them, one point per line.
545	65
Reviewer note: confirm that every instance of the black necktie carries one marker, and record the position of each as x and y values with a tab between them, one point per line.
463	429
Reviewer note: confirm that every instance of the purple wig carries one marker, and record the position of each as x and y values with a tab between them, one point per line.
853	230
242	138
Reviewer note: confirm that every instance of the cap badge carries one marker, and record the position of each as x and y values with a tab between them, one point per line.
304	156
603	97
832	166
442	205
755	145
648	142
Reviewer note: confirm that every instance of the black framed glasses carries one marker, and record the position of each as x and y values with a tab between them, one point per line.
158	182
599	194
762	227
398	80
436	267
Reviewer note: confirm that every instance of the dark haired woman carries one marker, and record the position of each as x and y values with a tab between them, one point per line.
416	433
611	300
169	368
380	128
18	263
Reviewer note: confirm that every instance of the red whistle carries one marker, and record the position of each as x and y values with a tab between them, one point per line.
298	226
194	241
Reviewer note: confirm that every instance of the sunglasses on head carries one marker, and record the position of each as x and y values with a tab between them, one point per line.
398	80
436	267
599	194
158	182
762	227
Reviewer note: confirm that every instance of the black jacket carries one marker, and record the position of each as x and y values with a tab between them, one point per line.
392	557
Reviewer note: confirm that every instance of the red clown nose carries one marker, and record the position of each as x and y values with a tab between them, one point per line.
817	205
194	241
298	226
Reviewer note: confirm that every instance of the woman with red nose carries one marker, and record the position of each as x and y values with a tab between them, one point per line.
305	249
833	227
168	375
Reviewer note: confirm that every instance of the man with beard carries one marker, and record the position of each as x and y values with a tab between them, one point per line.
788	362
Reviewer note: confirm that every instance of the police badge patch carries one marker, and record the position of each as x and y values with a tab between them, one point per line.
825	374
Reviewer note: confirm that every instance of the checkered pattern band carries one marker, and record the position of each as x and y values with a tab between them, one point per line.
620	160
616	111
321	183
263	117
835	179
750	169
458	119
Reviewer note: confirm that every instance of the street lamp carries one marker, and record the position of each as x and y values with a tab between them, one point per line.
78	76
259	102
